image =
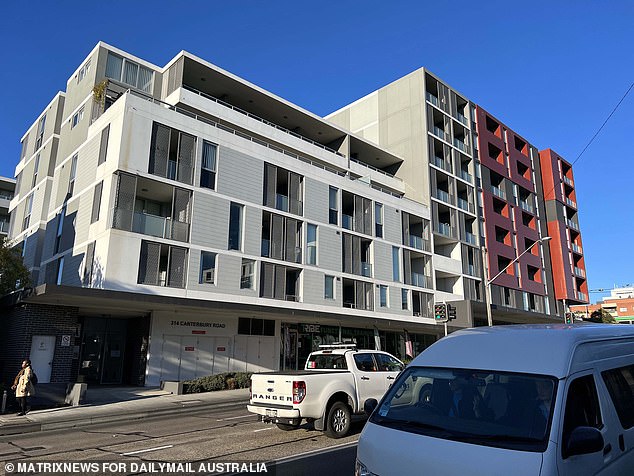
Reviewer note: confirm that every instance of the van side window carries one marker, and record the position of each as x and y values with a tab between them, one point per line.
620	384
364	362
582	406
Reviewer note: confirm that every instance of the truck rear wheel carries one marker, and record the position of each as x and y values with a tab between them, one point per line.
287	427
338	422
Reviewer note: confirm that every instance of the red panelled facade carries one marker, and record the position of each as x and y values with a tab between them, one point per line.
568	264
509	205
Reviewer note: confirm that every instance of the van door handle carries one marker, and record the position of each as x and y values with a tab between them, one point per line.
607	449
365	378
390	378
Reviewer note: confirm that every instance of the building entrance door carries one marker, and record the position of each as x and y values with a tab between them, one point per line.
42	350
102	351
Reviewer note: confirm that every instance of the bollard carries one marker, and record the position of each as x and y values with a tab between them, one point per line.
4	401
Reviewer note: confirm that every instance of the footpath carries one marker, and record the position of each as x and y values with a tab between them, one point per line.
109	405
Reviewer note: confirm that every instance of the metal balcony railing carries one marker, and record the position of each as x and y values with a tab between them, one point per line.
151	225
438	132
371	167
420	280
444	229
419	243
444	196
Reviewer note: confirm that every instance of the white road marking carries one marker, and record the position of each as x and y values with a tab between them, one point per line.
263	429
320	450
235	417
147	450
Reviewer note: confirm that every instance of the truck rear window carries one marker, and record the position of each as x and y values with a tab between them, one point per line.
327	362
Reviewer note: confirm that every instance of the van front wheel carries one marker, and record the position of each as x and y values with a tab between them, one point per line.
338	423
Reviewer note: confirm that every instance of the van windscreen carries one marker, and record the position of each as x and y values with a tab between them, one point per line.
501	409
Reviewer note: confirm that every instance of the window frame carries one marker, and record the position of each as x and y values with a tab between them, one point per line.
236	234
202	279
212	171
332	296
311	245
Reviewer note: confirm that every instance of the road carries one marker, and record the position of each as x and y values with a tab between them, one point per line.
229	434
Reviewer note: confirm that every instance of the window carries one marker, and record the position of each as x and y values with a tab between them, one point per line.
77	117
129	72
620	384
172	154
207	267
83	71
280	282
103	145
333	216
283	189
329	287
162	265
60	228
396	268
208	166
247	274
96	202
36	166
378	219
311	244
28	207
256	327
383	296
73	173
387	363
404	299
365	362
235	226
281	237
25	144
88	264
60	270
582	408
40	132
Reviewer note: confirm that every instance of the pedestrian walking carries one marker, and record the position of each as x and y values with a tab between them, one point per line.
23	386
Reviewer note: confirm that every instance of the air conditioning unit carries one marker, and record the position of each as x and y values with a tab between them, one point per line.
208	275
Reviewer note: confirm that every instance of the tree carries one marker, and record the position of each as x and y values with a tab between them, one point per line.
601	315
13	274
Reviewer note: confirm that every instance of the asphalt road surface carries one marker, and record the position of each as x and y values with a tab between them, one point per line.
229	434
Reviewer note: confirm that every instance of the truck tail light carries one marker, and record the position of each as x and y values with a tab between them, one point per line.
299	391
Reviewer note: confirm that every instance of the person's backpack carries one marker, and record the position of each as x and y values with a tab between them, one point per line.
33	377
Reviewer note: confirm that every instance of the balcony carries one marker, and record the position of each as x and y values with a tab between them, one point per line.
366	269
576	248
282	202
441	163
438	132
433	99
571	203
462	119
471	238
151	225
444	229
579	272
444	196
572	224
498	192
419	243
465	205
461	145
421	281
568	181
463	174
581	296
526	206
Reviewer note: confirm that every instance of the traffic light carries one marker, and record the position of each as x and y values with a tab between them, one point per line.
569	317
451	312
440	312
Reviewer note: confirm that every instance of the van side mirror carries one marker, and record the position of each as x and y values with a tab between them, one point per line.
369	406
583	440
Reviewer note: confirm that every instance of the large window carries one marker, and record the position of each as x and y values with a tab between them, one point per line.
283	189
172	154
280	282
162	265
235	226
128	72
256	327
311	244
281	237
208	165
207	267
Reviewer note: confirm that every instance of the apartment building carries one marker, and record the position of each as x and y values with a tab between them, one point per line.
7	189
179	221
485	187
620	305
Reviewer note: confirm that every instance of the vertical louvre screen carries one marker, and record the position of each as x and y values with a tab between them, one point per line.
358	214
149	263
113	67
407	267
369	296
103	146
174	77
96	202
280	282
177	264
181	215
405	219
124	206
88	264
291	240
186	151
347	253
277	237
294	205
130	73
267	280
359	295
356	255
367	216
270	180
144	81
159	150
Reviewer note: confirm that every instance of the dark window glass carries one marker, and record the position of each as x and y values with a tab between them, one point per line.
620	384
244	325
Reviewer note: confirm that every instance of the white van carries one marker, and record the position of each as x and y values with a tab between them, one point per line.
509	400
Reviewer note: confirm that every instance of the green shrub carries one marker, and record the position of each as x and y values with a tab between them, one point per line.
224	381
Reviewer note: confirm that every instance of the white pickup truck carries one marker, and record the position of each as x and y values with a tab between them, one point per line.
334	385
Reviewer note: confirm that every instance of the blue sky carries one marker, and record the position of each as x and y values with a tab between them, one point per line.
551	70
